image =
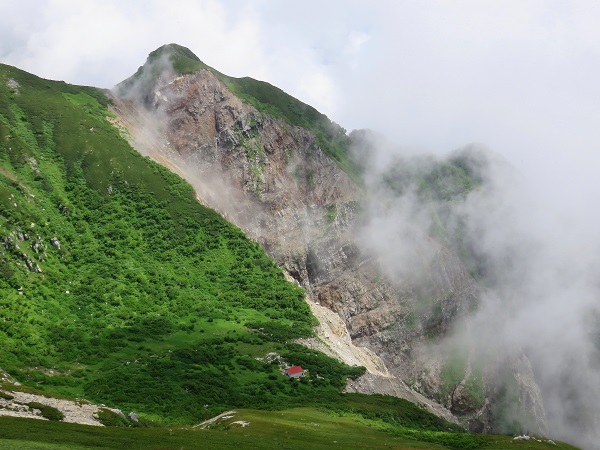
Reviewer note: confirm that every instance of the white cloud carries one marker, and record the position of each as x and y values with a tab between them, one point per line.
101	43
317	89
356	41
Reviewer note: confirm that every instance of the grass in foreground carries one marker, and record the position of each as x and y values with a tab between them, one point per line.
291	429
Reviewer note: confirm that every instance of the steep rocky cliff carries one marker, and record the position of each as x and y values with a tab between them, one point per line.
273	179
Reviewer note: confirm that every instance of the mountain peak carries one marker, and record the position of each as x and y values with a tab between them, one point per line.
167	59
174	52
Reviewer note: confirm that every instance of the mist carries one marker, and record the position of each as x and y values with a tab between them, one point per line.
543	261
536	256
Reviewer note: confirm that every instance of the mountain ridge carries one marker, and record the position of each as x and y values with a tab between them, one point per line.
117	285
273	180
263	156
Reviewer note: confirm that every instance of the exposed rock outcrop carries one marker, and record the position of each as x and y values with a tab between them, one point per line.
334	340
274	181
75	412
371	383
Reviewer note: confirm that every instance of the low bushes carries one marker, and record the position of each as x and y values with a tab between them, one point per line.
47	411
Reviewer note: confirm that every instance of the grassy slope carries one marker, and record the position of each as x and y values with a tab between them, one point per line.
286	429
293	428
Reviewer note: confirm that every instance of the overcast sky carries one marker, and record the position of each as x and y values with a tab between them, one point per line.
520	76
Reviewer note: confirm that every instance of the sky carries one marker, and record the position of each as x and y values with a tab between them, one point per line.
433	74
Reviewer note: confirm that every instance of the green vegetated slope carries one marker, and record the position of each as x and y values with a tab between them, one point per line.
117	285
263	96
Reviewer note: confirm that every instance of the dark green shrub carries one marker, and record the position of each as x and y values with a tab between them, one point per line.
110	418
6	396
48	412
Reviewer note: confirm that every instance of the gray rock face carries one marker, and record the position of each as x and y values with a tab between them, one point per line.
376	384
528	409
272	180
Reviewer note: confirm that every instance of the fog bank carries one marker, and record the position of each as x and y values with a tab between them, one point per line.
535	252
